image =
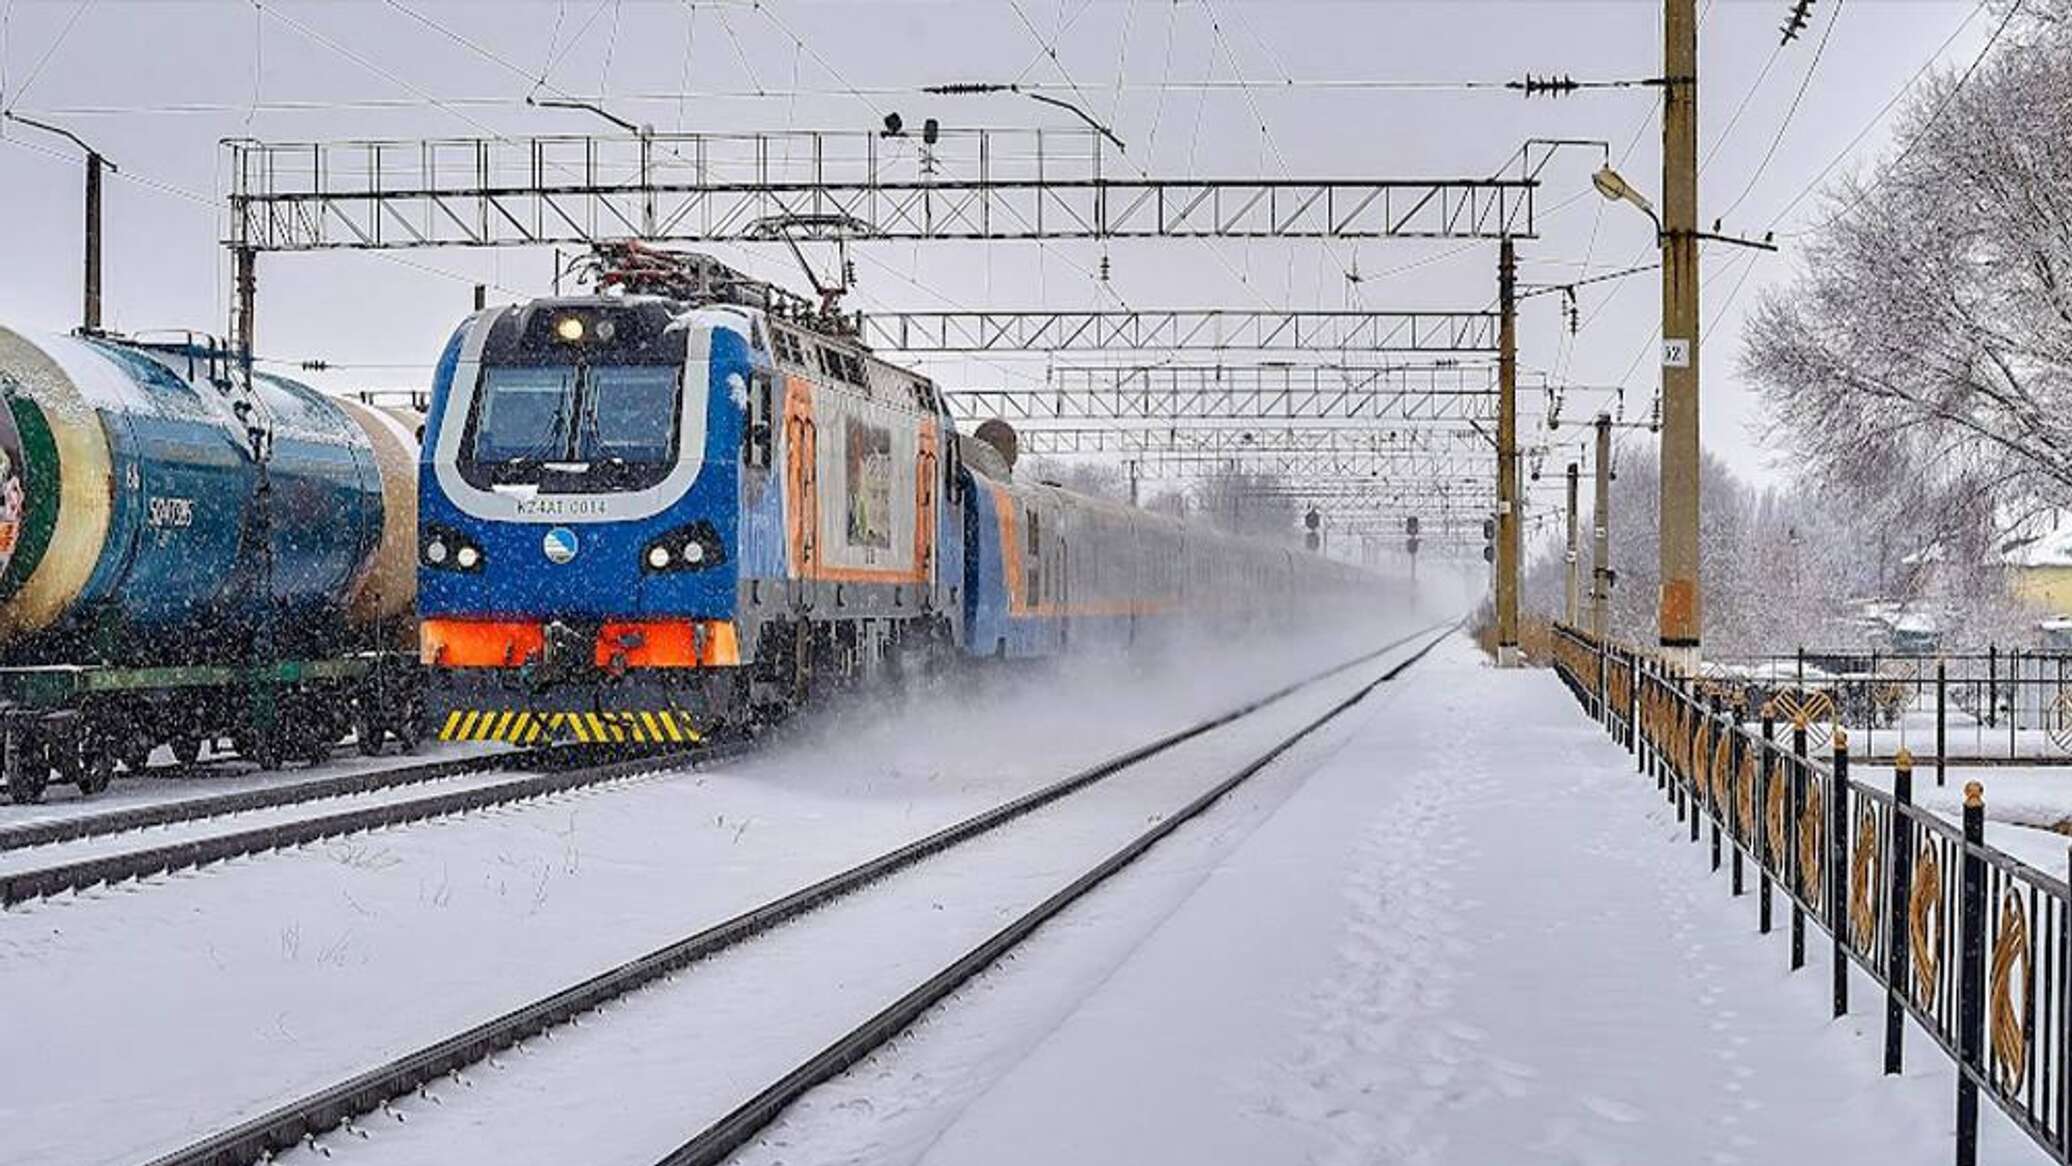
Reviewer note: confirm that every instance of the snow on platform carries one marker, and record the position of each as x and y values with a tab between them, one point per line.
1472	935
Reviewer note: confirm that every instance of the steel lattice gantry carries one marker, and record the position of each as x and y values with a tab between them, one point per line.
1346	453
1174	393
970	184
1181	330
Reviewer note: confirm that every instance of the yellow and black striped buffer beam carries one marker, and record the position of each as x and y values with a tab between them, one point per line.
643	727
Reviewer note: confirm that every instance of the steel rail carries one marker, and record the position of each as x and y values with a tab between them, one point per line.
289	1124
80	874
279	794
722	1138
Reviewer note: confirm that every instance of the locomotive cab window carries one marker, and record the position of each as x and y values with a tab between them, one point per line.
575	428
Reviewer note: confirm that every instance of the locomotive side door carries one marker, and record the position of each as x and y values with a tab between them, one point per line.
924	522
803	471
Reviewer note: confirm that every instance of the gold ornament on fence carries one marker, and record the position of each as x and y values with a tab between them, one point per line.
1817	707
1809	842
1865	865
2058	721
2009	993
1744	782
1722	755
1773	815
1926	913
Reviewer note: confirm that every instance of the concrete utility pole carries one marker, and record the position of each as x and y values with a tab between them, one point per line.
1601	534
1681	605
1574	557
1507	457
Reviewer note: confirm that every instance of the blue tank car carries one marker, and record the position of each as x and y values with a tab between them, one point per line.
150	561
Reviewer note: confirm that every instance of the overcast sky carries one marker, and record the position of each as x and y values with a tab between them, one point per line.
1223	89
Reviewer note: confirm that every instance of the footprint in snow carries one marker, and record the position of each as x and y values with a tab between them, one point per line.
1612	1111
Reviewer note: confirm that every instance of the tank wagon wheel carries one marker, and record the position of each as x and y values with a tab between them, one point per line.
135	750
369	728
409	726
262	749
316	729
81	759
28	769
96	768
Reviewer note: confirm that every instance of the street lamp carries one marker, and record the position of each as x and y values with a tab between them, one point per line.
1615	188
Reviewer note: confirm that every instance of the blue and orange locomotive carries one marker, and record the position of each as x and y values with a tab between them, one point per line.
691	500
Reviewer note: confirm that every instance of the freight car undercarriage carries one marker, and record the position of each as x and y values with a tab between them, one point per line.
75	724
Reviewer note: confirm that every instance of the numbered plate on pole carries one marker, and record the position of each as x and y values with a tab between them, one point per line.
1676	353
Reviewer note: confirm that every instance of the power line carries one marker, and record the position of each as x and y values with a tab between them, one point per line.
1904	151
1936	116
1879	116
36	70
1833	19
683	94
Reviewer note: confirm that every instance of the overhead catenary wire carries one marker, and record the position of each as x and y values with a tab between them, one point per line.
49	52
1863	192
1834	17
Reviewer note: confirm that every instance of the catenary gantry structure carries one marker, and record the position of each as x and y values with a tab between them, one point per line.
1243	392
1340	331
947	185
705	188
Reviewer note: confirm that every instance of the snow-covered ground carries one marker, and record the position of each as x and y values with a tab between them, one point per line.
668	1061
163	1010
1473	935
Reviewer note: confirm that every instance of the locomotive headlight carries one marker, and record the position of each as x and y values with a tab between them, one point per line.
435	552
658	557
569	328
467	557
693	552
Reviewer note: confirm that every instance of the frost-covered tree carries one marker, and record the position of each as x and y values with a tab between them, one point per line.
1921	363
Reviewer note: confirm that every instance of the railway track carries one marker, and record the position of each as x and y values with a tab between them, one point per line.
301	1120
558	772
94	825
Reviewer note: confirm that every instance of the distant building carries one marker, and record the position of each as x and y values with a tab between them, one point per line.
2039	570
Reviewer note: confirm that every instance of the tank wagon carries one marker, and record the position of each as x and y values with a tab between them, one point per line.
188	554
693	500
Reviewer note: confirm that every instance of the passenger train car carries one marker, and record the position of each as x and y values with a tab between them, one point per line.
690	500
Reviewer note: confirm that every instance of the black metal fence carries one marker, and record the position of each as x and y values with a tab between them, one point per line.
2011	704
1973	944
